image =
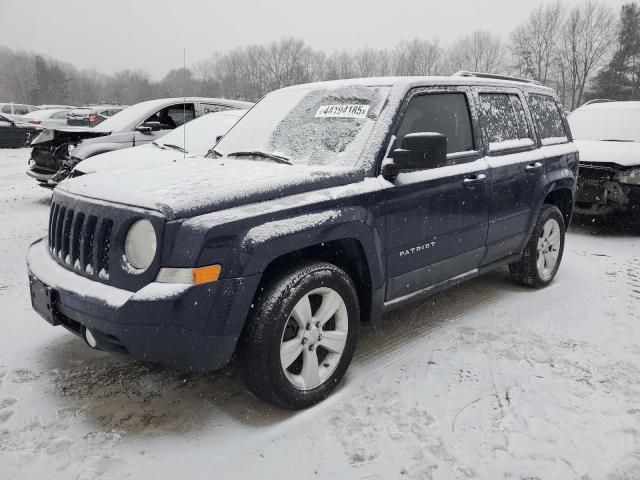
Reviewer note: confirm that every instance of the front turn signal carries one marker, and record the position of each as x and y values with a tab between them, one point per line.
193	276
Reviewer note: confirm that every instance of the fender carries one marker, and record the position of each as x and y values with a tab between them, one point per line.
262	244
86	150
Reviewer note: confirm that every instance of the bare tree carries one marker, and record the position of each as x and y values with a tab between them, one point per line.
533	44
418	57
480	51
587	35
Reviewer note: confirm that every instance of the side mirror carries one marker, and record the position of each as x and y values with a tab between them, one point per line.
219	137
148	127
418	151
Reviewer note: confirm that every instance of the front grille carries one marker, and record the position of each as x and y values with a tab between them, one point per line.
79	241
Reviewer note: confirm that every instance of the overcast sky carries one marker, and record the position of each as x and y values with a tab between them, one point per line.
111	35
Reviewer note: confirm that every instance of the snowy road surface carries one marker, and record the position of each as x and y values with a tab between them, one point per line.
488	380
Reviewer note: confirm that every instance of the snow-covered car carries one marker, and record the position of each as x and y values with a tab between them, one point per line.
607	135
16	134
92	116
328	204
195	138
57	150
14	111
50	118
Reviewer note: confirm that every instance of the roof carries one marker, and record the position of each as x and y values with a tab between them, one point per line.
624	105
161	102
412	82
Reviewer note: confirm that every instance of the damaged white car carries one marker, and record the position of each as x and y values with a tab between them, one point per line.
607	135
195	138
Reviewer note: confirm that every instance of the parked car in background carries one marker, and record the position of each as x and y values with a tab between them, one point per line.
325	206
56	151
16	110
92	116
195	138
15	134
607	135
49	118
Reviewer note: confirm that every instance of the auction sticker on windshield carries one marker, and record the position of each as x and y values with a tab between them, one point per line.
342	111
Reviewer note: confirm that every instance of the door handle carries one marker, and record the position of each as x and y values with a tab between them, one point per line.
473	180
533	167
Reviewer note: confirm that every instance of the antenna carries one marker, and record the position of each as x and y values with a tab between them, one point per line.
184	103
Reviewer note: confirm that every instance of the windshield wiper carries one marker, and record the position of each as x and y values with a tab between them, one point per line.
175	147
615	140
256	153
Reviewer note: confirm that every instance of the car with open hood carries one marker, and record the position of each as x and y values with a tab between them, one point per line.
57	150
326	206
607	134
192	139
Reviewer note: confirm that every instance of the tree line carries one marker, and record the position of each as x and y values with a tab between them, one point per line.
583	52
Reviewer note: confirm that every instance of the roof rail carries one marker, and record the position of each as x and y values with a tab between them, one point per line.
598	100
464	73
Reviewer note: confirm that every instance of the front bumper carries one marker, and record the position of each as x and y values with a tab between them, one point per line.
192	327
603	197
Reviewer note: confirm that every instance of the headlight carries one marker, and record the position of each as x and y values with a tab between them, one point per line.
630	177
140	244
45	136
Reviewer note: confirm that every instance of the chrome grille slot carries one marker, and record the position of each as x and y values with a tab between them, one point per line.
104	246
57	246
89	240
76	237
66	236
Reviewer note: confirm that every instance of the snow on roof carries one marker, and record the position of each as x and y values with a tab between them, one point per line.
417	81
626	105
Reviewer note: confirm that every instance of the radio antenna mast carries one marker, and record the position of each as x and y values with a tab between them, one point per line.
184	103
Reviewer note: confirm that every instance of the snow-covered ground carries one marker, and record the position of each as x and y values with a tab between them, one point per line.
487	380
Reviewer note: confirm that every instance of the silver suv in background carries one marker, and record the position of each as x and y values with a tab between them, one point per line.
14	111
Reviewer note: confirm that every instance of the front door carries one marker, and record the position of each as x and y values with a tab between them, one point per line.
437	218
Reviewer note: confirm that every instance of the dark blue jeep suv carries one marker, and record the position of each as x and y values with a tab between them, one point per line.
327	205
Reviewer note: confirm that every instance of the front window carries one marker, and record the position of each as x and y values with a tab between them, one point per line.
445	113
610	122
309	125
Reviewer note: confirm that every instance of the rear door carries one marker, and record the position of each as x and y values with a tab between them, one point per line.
561	158
437	218
517	167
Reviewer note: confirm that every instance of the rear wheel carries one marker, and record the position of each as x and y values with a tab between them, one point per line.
542	255
301	336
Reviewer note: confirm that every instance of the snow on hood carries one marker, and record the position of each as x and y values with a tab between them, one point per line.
203	185
626	154
127	158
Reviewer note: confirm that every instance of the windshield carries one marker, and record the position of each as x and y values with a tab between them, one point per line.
201	133
621	124
125	117
312	125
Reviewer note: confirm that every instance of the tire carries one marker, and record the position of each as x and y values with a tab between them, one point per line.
548	236
288	310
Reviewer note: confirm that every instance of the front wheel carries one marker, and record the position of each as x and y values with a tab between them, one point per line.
542	255
301	335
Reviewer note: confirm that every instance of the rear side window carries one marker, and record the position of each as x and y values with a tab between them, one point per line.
204	108
548	119
445	113
505	122
21	109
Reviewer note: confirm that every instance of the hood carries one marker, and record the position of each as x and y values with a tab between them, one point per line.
202	185
625	154
142	156
60	135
